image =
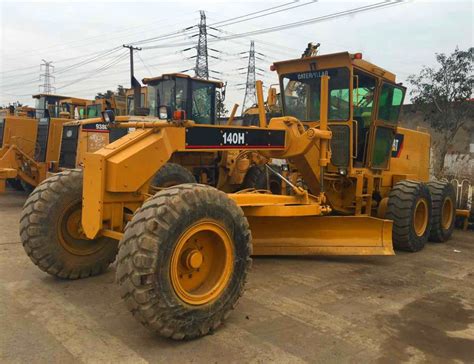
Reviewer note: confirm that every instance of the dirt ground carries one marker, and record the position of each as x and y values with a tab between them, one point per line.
407	308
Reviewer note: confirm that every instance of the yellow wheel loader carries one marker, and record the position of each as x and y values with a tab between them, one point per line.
184	252
30	145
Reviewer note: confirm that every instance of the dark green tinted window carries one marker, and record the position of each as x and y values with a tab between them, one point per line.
382	147
93	111
391	99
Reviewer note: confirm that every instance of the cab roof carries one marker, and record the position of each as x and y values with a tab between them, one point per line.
59	97
333	60
165	76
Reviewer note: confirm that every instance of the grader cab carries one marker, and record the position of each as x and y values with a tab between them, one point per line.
184	252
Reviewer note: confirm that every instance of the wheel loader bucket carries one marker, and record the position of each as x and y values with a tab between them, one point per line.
321	235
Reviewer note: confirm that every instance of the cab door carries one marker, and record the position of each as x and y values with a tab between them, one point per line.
384	128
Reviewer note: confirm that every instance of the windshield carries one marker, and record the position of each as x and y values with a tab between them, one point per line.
93	111
47	103
301	96
131	103
161	94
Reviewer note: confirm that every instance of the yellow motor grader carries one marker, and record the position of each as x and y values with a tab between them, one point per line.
184	252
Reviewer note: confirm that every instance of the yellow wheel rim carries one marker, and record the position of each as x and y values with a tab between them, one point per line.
420	217
202	263
447	213
70	233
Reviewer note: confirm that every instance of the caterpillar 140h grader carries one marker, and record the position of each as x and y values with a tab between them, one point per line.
183	254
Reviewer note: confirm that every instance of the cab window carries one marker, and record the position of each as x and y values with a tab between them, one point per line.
302	99
382	147
363	96
131	102
391	99
363	91
202	102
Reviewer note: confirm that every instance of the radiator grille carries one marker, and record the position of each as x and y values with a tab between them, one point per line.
340	145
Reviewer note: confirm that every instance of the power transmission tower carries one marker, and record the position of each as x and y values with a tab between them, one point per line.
46	76
250	97
202	66
135	84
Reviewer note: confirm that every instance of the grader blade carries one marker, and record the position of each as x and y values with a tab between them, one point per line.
321	235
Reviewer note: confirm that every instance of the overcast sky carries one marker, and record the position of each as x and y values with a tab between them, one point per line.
400	38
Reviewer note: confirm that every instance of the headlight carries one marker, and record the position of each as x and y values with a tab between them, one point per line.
163	113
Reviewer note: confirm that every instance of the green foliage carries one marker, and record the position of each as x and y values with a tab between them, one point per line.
444	93
109	93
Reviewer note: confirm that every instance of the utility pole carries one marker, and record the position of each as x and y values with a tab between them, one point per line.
135	84
47	68
250	97
202	66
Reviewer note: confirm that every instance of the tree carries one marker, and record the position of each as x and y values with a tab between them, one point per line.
443	94
120	90
104	95
109	93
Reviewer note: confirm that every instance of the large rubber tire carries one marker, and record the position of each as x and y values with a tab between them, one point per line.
144	266
257	178
443	213
172	174
43	225
403	202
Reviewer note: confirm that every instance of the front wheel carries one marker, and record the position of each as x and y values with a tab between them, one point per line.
183	260
51	230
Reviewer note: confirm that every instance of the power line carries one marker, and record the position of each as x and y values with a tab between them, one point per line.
95	72
290	25
143	62
270	13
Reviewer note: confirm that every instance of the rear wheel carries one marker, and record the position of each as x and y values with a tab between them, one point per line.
183	260
172	174
409	206
443	210
258	178
51	232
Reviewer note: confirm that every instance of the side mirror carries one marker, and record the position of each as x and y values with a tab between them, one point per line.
108	116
